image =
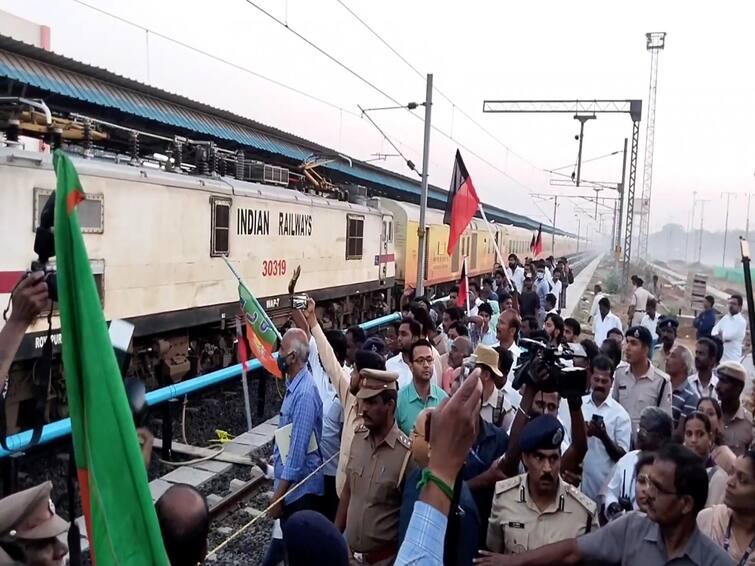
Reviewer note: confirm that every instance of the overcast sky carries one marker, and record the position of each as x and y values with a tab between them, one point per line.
705	126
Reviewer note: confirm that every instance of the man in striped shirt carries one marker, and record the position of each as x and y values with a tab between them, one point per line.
679	363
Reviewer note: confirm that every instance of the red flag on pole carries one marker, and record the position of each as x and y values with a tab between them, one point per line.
536	246
462	299
462	203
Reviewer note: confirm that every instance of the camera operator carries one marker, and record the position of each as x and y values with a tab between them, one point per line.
29	298
539	398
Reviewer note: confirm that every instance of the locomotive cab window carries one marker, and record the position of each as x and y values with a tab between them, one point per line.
220	229
354	236
91	211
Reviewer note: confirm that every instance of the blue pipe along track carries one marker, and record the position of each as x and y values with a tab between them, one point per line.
62	428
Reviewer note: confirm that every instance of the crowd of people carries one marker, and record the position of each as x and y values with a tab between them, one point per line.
453	438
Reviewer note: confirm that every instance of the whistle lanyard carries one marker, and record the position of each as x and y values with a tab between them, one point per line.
727	542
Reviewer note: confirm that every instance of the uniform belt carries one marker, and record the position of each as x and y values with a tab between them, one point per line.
376	555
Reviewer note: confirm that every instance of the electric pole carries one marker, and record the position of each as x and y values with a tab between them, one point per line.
728	196
690	226
700	236
747	221
422	229
655	43
553	232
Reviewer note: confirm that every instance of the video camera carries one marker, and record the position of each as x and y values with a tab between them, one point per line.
44	247
550	368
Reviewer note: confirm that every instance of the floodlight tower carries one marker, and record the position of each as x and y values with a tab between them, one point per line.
655	43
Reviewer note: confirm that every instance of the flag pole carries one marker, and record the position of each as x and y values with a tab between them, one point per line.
466	281
244	385
497	250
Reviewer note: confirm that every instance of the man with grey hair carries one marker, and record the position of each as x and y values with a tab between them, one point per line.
299	428
680	363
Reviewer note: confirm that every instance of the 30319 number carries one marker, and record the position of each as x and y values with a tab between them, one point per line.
273	267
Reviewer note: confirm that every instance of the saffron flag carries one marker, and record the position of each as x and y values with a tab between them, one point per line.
462	203
463	297
120	517
536	246
260	330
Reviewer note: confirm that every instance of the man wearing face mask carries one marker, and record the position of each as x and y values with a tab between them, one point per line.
301	412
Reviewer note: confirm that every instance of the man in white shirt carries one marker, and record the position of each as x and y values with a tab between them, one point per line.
731	329
474	298
507	330
609	429
515	272
638	304
650	319
704	381
654	431
556	287
594	312
605	321
409	332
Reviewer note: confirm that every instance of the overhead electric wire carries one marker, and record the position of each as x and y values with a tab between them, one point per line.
409	163
235	66
310	96
585	161
383	93
435	88
216	57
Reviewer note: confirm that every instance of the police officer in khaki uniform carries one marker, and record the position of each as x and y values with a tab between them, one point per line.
538	507
379	461
29	529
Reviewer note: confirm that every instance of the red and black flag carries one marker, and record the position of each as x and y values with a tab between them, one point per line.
462	204
536	246
462	299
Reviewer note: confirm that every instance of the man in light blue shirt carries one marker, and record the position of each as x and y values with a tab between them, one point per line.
302	409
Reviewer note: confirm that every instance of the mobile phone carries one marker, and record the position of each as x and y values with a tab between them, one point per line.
299	302
597	419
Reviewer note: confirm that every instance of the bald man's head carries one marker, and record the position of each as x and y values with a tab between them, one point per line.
184	519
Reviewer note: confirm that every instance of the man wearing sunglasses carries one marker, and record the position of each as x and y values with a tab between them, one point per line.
678	488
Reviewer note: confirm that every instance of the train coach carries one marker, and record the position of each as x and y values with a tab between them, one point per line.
476	244
156	242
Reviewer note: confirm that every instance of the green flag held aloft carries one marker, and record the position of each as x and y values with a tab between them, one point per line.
121	520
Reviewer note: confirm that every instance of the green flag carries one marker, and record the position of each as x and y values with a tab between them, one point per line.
121	520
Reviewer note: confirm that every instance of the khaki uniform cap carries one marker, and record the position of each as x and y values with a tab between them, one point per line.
372	382
30	515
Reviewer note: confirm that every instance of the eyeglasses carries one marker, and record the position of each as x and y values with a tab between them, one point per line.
424	361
